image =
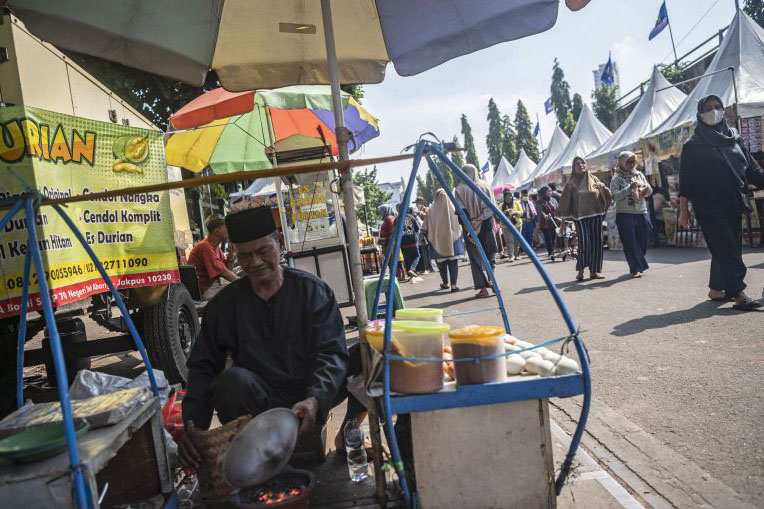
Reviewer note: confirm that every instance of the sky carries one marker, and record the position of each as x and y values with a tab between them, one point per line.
434	100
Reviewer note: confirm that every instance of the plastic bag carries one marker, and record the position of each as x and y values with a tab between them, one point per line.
93	383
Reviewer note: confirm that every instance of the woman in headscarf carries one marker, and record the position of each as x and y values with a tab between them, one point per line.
585	200
412	225
481	218
629	188
514	212
444	233
387	213
547	224
715	172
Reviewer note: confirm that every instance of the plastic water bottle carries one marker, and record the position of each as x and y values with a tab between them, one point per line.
358	466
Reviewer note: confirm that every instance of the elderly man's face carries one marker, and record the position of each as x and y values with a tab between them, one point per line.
259	258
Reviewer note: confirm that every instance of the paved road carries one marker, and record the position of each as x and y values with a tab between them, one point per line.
685	370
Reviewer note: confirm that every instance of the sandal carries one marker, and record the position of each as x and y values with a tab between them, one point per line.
580	276
720	296
454	289
483	294
636	275
747	304
443	286
596	275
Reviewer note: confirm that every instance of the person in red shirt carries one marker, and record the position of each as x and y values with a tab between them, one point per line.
208	258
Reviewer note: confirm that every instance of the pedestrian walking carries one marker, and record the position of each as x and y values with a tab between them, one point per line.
481	219
444	233
412	225
528	218
387	213
629	188
425	260
585	200
511	208
715	173
547	222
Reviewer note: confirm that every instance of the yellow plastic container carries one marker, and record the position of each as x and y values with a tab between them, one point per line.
478	341
411	338
420	314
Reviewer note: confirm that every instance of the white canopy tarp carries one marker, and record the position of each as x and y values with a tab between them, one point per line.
523	169
588	136
260	187
504	172
659	100
743	49
556	147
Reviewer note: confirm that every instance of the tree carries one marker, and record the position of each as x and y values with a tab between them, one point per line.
494	138
525	138
508	139
605	105
355	90
155	96
469	142
578	105
563	105
755	9
367	180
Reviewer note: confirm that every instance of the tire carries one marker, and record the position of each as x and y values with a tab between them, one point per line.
169	329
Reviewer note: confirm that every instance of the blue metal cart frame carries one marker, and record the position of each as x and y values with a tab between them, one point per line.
558	386
30	202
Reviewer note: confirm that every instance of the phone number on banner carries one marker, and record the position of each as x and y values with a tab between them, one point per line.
64	274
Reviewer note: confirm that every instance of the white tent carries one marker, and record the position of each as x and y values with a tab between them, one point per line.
556	147
587	137
743	49
523	169
503	173
659	101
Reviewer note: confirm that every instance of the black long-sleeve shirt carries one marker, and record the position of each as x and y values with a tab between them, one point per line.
715	179
295	342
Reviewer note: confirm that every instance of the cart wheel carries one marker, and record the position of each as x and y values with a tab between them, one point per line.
168	330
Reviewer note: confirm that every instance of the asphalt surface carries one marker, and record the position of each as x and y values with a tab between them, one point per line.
683	368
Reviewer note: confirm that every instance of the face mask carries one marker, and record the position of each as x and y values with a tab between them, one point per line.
712	117
525	198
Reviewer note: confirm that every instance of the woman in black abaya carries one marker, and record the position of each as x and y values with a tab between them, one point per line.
715	172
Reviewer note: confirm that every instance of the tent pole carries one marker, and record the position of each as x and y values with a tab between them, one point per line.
354	250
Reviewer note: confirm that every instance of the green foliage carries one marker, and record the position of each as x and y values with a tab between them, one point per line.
673	72
154	96
367	180
563	105
458	160
355	90
218	192
605	104
525	138
427	186
508	139
494	138
755	9
578	105
469	142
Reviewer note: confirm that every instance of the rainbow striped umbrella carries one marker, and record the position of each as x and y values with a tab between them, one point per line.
236	131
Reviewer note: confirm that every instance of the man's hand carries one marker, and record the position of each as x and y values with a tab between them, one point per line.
684	219
306	410
189	456
475	226
599	185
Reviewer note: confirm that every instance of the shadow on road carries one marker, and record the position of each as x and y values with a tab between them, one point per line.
577	286
699	311
757	266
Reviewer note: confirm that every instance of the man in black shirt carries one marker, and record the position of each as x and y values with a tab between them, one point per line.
282	328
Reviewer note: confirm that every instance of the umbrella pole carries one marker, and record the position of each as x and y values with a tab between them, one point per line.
354	250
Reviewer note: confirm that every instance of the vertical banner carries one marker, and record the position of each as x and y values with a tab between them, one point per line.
60	156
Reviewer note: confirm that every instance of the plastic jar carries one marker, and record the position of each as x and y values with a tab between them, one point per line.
411	338
478	341
420	314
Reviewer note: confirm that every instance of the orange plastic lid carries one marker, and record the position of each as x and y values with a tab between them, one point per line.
476	334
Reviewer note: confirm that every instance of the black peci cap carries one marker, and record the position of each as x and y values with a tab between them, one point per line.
250	224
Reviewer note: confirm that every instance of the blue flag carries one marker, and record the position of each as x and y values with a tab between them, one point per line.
661	23
536	130
484	169
608	76
548	106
